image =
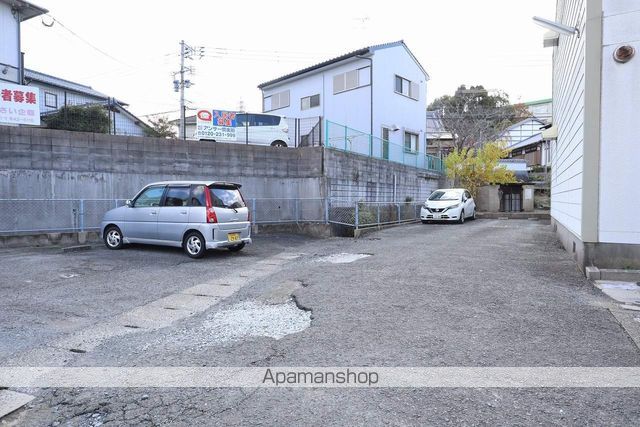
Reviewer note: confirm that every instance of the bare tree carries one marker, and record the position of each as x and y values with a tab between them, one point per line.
474	116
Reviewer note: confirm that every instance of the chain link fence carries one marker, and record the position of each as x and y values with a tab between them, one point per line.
33	216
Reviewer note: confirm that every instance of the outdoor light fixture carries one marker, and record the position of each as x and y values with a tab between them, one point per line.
554	26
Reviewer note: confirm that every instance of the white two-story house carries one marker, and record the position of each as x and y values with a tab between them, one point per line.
377	90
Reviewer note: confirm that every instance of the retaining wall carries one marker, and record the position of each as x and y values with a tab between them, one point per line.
40	163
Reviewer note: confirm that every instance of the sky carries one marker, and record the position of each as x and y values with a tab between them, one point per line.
130	49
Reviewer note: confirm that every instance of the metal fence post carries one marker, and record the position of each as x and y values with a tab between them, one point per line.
378	213
398	212
297	208
370	145
356	220
115	203
81	214
253	210
345	137
326	132
326	209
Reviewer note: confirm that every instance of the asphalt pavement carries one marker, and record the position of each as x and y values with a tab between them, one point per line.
489	293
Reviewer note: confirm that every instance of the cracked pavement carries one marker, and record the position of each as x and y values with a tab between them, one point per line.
487	293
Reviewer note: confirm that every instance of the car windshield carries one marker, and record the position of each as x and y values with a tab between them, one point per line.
226	197
445	195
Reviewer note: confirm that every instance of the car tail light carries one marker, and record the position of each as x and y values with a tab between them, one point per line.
285	130
211	215
211	212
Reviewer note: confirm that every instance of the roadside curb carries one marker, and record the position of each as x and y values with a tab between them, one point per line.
595	273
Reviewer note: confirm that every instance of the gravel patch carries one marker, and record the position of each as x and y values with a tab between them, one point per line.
251	319
342	258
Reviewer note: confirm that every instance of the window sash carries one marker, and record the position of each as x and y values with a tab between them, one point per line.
351	80
411	142
50	100
407	88
276	101
309	102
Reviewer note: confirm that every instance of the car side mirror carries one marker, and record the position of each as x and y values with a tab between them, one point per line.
128	203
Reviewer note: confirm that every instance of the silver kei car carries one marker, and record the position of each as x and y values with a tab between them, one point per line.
194	215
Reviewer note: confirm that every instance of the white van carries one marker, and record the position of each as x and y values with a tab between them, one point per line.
254	128
263	129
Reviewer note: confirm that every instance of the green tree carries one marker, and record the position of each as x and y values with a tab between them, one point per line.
81	118
472	168
161	128
473	115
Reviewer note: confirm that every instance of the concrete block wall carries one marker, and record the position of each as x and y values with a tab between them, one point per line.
43	163
52	164
357	177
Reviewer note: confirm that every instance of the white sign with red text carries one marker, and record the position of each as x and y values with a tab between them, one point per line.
19	104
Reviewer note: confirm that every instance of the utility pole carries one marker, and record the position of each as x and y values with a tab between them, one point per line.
182	123
186	52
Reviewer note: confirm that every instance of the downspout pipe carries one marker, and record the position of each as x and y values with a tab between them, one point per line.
371	91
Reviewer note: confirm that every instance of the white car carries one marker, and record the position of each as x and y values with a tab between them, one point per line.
448	204
258	129
262	129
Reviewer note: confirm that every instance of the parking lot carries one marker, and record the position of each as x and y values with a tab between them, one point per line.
486	293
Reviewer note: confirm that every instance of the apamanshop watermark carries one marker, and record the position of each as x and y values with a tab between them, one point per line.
320	377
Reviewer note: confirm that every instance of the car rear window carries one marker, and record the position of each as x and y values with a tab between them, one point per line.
226	197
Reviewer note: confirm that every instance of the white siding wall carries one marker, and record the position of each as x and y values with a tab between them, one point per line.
391	108
9	43
73	98
568	112
618	220
353	107
350	107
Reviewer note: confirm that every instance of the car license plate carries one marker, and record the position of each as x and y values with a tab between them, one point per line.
233	237
436	216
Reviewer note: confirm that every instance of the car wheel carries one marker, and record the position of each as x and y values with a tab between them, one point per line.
237	248
194	245
113	237
278	144
461	219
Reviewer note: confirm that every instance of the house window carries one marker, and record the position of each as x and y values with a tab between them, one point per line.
410	142
276	101
351	80
50	100
309	102
407	88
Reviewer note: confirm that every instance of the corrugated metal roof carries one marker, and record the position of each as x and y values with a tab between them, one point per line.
538	102
358	52
435	128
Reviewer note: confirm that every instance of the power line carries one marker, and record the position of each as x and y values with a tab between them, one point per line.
55	20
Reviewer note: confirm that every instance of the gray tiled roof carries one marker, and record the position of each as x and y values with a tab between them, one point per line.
65	84
358	52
